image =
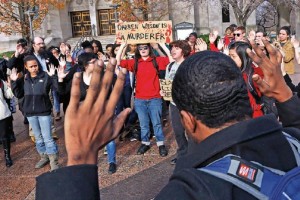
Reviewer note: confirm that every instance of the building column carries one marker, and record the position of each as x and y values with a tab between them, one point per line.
93	17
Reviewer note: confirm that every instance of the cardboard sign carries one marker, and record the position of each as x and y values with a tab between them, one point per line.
144	32
166	87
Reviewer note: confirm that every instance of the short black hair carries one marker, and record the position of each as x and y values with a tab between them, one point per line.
29	58
84	58
86	44
210	86
22	42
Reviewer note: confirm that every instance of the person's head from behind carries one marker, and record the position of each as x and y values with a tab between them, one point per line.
38	45
31	64
97	46
239	33
87	47
144	51
284	34
87	62
210	93
237	51
180	49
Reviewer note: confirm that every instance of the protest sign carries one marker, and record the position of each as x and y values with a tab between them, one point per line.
166	87
144	32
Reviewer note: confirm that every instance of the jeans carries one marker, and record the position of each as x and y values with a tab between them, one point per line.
178	130
41	127
147	110
56	103
111	152
124	101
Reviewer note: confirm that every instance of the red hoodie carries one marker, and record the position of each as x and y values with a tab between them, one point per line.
147	80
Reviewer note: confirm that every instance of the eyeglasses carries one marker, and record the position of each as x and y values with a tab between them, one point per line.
237	34
143	48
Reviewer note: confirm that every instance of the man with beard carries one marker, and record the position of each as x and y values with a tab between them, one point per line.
44	57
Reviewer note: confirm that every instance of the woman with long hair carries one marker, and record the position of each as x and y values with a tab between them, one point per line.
237	51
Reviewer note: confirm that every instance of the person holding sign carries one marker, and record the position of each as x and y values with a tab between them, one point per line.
147	102
180	49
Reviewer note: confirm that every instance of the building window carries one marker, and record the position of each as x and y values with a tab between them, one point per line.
225	13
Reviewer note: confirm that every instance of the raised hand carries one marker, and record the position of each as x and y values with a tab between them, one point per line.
200	45
61	73
14	75
19	50
84	140
220	44
226	50
273	84
251	35
212	38
51	70
154	45
62	62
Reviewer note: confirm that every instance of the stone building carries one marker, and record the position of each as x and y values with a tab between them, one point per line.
97	17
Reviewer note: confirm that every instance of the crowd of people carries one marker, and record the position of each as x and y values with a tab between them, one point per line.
233	84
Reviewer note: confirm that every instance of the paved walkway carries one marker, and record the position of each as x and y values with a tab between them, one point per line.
138	176
18	182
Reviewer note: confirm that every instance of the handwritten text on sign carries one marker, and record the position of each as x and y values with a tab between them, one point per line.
144	32
166	87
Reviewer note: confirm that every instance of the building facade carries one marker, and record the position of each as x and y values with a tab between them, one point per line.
97	18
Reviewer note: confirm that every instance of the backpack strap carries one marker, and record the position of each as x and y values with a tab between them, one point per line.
248	176
170	66
295	145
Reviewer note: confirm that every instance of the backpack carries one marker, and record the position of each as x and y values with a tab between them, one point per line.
260	181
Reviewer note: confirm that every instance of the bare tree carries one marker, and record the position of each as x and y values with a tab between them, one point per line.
266	17
244	8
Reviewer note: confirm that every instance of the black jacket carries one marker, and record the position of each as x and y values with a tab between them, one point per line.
35	92
259	139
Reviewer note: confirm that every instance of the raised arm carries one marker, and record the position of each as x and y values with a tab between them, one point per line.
83	140
273	84
166	49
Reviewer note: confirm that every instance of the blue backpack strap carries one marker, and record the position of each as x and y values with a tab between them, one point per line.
295	145
248	176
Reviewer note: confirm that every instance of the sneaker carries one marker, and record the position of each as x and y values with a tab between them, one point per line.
135	136
105	151
163	151
143	149
112	168
173	161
